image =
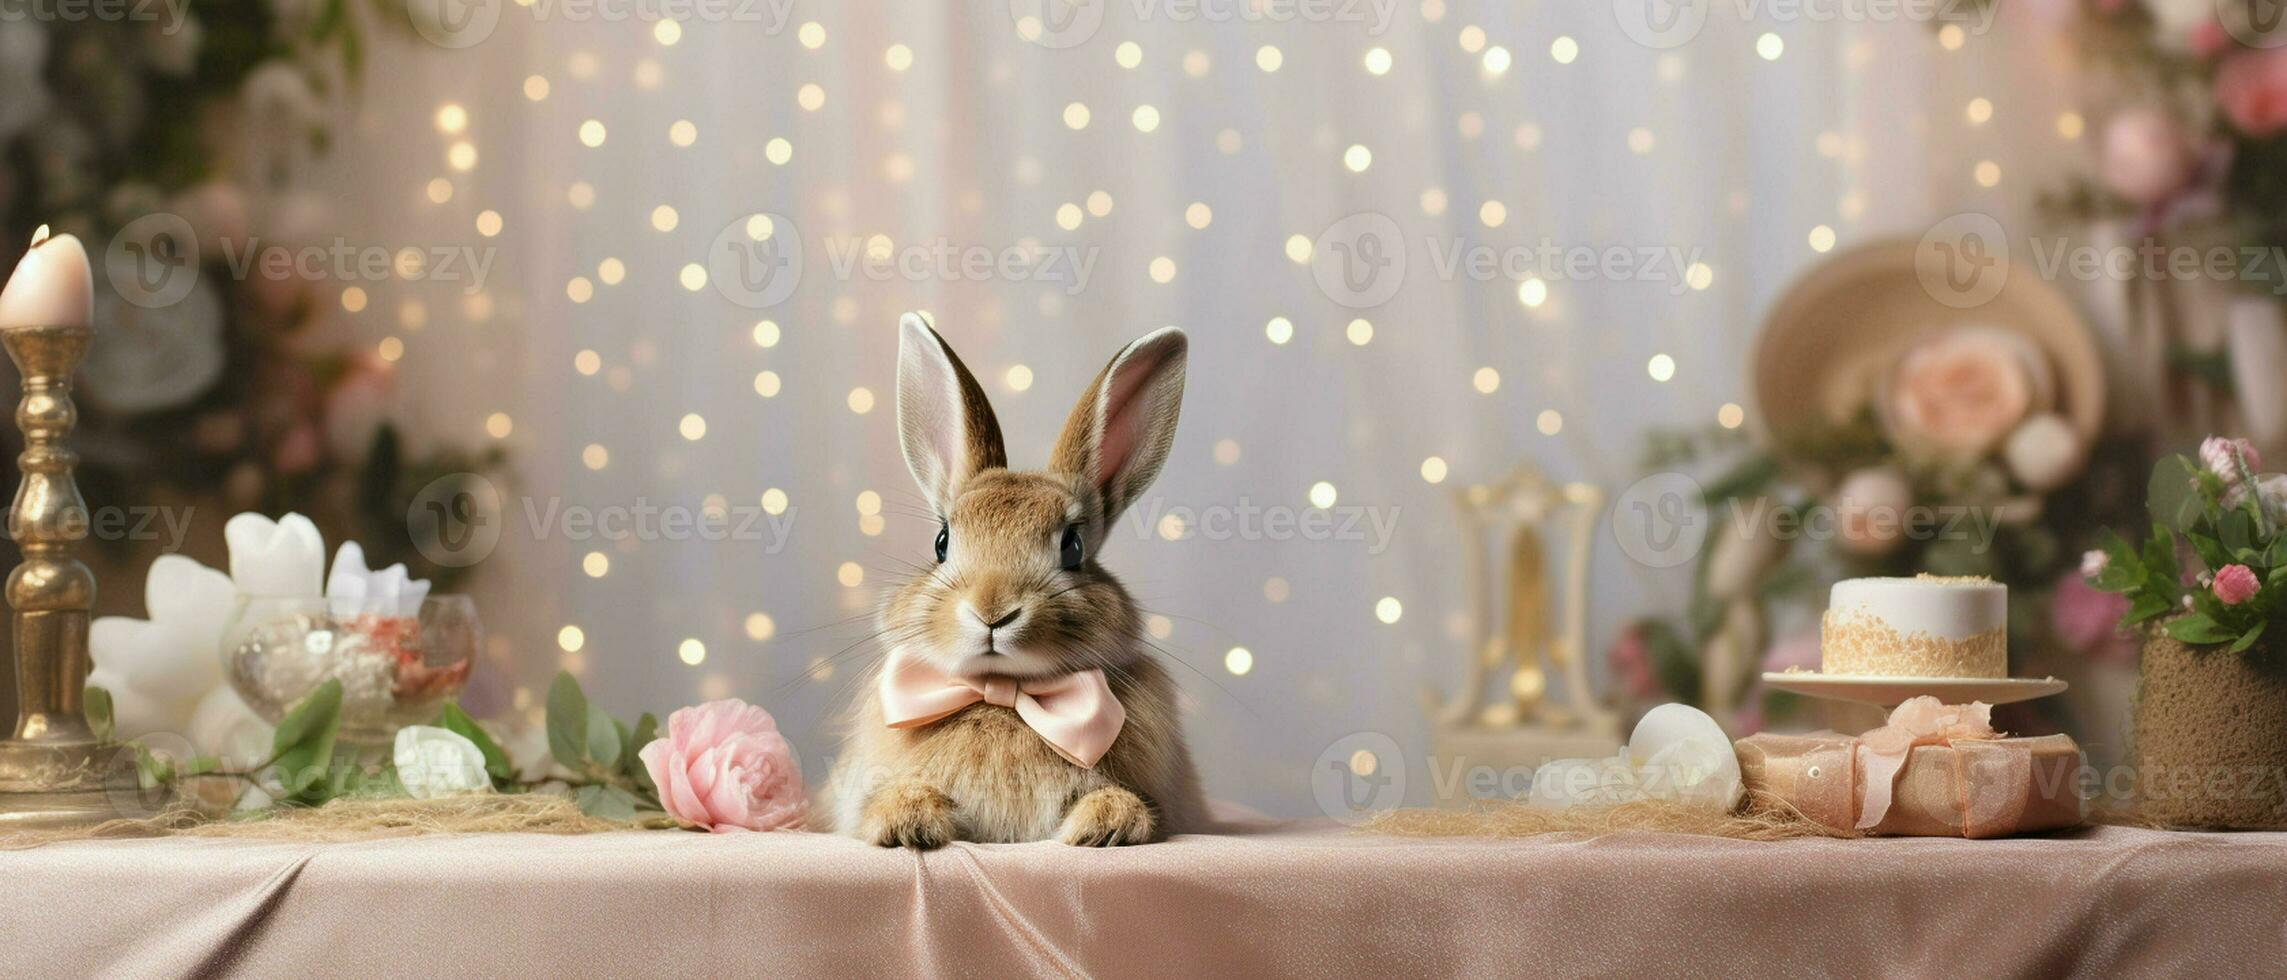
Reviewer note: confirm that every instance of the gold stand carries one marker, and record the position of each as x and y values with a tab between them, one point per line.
53	769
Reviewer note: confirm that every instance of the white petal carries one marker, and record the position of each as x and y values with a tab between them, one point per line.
224	726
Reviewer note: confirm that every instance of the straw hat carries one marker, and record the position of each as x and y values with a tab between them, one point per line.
1828	347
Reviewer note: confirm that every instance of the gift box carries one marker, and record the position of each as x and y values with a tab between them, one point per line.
1987	787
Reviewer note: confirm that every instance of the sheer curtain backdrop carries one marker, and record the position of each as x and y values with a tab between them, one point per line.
1172	163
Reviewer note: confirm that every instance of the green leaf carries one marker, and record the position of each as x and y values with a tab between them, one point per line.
646	730
607	802
2145	607
2198	629
603	739
302	749
567	722
2248	638
2170	496
96	703
2237	531
496	762
2160	560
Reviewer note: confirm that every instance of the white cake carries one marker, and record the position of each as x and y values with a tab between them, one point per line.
1927	626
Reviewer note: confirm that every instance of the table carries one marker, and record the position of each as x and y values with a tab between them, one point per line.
1264	899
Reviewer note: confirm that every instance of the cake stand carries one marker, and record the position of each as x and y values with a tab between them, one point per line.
1889	692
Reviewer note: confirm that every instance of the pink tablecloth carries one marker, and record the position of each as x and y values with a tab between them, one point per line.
1306	900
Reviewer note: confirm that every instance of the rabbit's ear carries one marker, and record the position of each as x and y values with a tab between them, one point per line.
1118	436
944	424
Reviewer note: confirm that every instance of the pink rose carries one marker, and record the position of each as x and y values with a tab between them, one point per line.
2146	157
1960	393
2252	89
2235	584
723	766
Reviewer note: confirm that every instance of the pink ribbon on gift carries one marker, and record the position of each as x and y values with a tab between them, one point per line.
1882	753
1075	713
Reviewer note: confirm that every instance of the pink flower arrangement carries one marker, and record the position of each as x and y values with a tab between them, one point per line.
2235	584
2251	88
723	766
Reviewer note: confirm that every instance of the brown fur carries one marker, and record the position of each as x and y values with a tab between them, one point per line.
981	774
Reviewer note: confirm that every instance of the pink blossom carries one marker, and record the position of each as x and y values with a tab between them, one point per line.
2088	620
2251	87
2235	584
2146	156
2209	39
2093	562
723	766
2216	454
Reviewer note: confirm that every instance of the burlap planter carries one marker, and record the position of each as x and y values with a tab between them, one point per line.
2211	736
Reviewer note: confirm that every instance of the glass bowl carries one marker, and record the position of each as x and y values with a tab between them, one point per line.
395	669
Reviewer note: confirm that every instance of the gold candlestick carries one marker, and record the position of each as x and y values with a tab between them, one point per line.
53	769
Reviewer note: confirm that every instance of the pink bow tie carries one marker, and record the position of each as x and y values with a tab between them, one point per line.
1076	713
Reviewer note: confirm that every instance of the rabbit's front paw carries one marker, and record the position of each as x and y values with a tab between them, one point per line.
1108	817
914	815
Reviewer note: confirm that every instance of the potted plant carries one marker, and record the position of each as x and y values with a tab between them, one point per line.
2208	586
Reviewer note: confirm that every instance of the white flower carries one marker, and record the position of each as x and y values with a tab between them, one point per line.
286	557
157	670
2044	452
353	589
434	762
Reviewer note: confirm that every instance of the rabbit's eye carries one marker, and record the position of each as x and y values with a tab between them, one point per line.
944	540
1072	550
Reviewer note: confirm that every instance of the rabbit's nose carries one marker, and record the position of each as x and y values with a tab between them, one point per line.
996	621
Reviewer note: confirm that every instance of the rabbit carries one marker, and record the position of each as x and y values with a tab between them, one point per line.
1017	600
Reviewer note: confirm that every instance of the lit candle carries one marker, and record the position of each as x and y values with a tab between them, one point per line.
52	287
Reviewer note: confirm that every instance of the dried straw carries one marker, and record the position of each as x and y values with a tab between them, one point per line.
351	820
1764	818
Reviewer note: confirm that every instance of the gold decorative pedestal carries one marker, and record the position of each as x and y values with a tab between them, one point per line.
1525	698
53	769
